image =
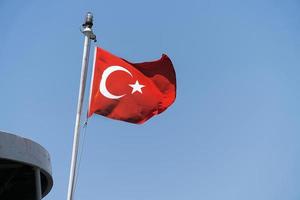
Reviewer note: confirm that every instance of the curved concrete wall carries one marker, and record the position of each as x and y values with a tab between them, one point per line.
27	152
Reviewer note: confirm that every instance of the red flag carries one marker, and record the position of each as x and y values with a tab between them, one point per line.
132	92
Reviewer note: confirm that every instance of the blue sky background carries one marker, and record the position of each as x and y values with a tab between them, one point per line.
233	132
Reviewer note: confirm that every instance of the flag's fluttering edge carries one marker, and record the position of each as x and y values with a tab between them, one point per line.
131	92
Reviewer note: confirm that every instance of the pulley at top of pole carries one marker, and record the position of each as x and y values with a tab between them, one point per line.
87	27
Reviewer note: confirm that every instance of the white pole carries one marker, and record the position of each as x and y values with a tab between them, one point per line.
38	186
87	31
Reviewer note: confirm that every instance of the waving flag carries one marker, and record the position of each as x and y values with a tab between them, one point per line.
132	92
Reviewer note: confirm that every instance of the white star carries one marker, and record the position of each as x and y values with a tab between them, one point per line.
136	87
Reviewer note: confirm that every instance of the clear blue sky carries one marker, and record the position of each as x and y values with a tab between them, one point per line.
233	132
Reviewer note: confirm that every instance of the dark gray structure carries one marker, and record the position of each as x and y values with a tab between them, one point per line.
25	169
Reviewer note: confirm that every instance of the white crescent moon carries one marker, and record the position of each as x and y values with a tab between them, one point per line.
105	75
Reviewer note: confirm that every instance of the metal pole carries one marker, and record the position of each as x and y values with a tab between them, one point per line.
87	31
38	186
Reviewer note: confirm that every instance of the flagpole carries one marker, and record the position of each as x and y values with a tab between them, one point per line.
88	36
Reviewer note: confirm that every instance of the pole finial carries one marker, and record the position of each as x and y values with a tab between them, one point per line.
87	26
88	20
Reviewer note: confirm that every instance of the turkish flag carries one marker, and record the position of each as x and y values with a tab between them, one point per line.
131	92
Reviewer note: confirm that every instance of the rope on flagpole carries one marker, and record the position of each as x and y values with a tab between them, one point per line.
84	133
